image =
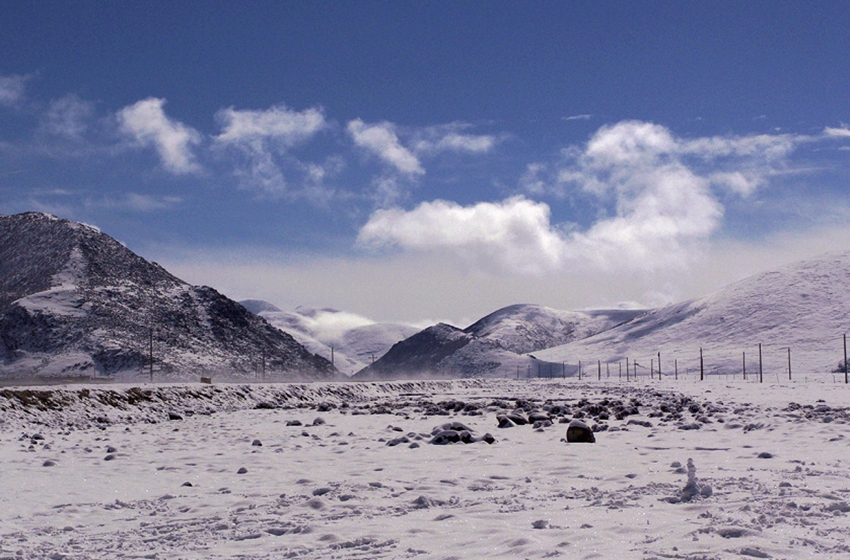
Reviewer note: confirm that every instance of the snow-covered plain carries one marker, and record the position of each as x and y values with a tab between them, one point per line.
102	472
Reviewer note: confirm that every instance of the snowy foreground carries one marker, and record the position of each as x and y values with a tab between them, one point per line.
223	471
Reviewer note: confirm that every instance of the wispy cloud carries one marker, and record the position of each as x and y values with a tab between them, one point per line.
578	118
842	132
264	139
147	123
451	138
284	125
12	90
381	140
135	202
68	116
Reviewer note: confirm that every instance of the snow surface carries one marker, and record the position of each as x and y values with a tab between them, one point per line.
804	306
101	471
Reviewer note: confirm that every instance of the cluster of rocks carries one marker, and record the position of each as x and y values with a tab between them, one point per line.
819	413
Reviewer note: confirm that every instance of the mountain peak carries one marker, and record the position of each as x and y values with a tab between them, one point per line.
74	301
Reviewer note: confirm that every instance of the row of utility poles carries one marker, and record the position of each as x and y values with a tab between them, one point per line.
635	365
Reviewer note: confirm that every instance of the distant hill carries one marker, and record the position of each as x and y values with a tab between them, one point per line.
526	328
75	302
356	341
804	306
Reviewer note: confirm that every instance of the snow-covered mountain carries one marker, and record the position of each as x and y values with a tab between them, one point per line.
73	301
804	306
351	340
447	351
493	346
526	328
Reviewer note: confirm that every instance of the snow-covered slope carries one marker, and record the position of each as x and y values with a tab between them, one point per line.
447	351
75	302
804	307
527	328
355	340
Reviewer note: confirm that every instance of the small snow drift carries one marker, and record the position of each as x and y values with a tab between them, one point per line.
75	302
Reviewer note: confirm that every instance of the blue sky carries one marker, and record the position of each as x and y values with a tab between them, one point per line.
436	160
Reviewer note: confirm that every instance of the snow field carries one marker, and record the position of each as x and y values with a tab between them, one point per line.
336	488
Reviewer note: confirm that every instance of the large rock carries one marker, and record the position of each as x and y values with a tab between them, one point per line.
579	432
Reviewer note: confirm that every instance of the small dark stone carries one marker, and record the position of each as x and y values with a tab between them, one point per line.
294	423
174	416
189	484
257	443
318	421
109	457
504	421
110	449
765	455
48	463
242	470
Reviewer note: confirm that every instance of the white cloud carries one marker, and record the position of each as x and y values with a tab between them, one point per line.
12	90
279	123
382	140
658	198
147	123
451	138
264	138
515	233
842	132
578	118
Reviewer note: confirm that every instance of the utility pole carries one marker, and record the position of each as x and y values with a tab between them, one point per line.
845	359
744	364
761	373
659	366
599	370
701	370
264	363
627	368
150	353
676	366
789	363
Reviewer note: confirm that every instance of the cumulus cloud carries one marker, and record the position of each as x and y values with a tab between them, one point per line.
658	200
12	90
147	123
381	140
516	233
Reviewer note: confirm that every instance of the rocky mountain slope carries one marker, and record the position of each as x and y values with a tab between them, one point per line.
75	302
804	306
353	341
